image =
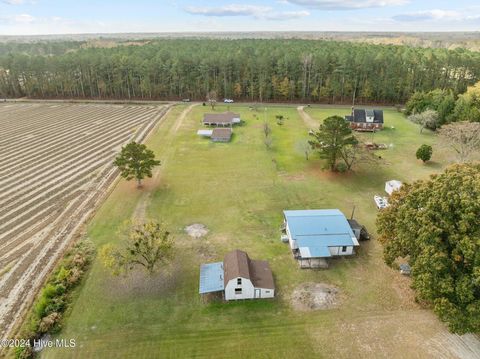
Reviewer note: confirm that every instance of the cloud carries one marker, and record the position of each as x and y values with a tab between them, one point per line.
435	15
17	2
286	15
258	12
346	4
17	19
228	10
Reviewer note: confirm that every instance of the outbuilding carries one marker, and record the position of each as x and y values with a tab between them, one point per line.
238	277
222	134
392	186
225	119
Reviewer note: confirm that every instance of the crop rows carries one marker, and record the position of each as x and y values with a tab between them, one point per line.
55	167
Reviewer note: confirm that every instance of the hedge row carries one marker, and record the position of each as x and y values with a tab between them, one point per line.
45	317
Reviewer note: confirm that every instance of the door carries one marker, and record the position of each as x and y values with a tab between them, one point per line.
257	293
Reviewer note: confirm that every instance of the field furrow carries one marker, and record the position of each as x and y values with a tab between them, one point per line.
56	165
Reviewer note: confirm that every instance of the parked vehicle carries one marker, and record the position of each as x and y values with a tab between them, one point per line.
381	202
228	100
186	100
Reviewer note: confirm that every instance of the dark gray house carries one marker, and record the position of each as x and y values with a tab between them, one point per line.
365	120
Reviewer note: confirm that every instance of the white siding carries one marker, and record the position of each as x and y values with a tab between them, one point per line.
266	293
248	291
293	244
337	251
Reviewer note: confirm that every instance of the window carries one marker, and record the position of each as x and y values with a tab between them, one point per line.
344	248
239	281
267	291
238	290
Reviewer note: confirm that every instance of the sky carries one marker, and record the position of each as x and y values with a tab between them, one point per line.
40	17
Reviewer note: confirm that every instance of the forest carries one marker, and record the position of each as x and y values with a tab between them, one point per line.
275	70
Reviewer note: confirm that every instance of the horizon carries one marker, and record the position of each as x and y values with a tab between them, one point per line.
51	17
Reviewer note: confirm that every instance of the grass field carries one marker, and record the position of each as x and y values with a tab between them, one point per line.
238	190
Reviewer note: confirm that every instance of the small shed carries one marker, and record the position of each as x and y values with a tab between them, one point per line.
393	185
238	277
221	134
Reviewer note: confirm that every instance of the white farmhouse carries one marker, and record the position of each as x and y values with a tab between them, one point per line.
238	276
315	235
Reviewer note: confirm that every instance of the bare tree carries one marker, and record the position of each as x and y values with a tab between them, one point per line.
463	138
212	98
305	148
357	153
427	119
266	129
267	132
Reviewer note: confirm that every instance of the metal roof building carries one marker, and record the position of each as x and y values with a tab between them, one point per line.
319	233
238	277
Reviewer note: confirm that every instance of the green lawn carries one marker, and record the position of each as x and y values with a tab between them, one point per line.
238	190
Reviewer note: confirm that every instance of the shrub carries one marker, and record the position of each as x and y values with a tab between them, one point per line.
341	167
46	314
424	153
49	322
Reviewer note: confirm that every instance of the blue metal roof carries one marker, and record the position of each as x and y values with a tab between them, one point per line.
319	229
211	278
338	240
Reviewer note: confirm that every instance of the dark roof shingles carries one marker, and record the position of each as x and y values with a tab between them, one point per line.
238	264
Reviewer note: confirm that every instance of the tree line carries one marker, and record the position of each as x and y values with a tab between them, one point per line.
246	70
435	108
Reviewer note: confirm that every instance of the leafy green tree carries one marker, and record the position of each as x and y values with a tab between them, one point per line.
427	119
434	224
440	101
147	245
467	107
332	138
136	161
424	153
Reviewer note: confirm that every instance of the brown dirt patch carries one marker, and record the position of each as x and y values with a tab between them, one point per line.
196	230
315	296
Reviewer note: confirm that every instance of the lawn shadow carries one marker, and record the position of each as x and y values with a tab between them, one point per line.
138	283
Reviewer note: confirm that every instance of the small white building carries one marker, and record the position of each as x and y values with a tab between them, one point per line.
238	276
391	186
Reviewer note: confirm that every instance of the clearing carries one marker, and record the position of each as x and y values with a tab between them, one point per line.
238	191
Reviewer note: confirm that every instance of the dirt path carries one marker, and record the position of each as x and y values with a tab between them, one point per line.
141	210
41	218
309	121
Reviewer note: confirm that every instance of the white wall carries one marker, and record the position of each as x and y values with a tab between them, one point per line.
266	293
293	244
337	251
247	289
